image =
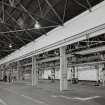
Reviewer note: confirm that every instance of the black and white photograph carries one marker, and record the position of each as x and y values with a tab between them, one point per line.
52	52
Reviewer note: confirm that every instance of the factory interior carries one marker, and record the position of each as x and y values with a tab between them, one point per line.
52	52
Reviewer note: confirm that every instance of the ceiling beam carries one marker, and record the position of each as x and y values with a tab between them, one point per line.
64	12
52	8
80	4
21	10
90	6
13	19
18	37
30	29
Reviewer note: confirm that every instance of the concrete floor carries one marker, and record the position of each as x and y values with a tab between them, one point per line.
47	93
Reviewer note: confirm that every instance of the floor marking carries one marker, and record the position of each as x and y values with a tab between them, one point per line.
87	98
76	98
2	102
27	97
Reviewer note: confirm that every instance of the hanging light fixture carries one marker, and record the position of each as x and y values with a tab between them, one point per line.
37	25
10	45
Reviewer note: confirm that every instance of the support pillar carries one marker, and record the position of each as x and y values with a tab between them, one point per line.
77	79
71	75
4	73
0	74
18	70
77	72
63	70
22	72
73	72
104	78
103	71
34	72
12	75
97	73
